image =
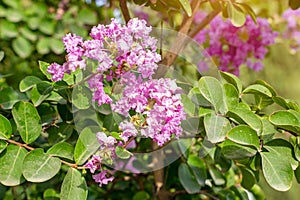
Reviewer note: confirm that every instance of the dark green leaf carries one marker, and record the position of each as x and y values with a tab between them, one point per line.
141	195
216	176
5	128
36	97
62	149
11	165
248	179
188	179
59	133
74	186
39	167
8	97
51	194
232	150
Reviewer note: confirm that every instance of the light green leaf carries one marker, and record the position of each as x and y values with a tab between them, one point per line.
211	89
123	153
244	115
3	145
141	195
1	55
28	82
82	97
27	120
43	67
278	174
8	29
22	47
56	45
5	128
86	145
258	89
11	165
189	106
186	6
39	167
216	127
188	179
36	97
244	135
231	96
232	79
237	18
286	120
86	16
74	186
63	150
43	45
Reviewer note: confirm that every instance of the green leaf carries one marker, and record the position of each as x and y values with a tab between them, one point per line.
216	127
44	87
3	146
48	113
268	129
82	97
189	106
43	67
47	27
242	114
11	165
5	128
57	46
283	149
8	29
27	120
188	179
237	17
197	98
231	96
60	133
13	15
28	82
43	45
186	6
62	149
36	97
50	194
28	34
191	125
286	120
39	167
278	174
123	153
234	151
1	55
211	89
258	90
294	4
86	16
248	178
265	84
22	47
244	135
86	145
8	97
141	195
216	175
74	186
232	79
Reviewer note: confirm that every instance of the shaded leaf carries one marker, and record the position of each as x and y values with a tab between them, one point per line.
62	149
5	128
234	151
188	179
28	82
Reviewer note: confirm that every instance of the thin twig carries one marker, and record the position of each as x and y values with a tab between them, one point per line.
128	142
73	165
124	10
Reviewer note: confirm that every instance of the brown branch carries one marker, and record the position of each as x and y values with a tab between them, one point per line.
124	10
73	165
127	143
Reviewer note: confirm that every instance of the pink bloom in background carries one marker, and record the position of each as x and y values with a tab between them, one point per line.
292	18
232	46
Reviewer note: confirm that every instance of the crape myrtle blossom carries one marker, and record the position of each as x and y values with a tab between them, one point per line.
231	46
149	100
124	56
292	18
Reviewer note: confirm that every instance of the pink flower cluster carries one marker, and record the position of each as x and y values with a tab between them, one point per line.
231	46
117	48
149	99
292	18
106	152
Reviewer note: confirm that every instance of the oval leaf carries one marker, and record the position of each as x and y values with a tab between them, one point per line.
244	135
122	153
216	127
62	149
40	167
286	120
81	97
28	82
27	120
86	145
11	165
232	150
258	89
5	128
188	179
74	186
